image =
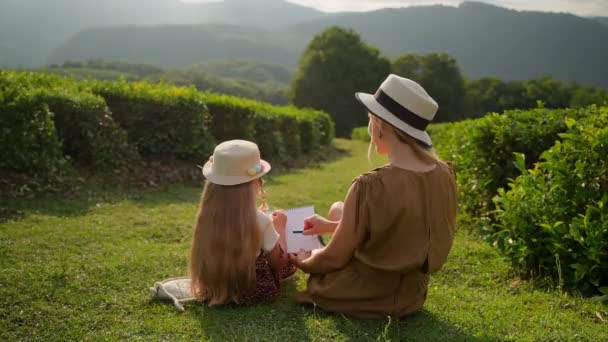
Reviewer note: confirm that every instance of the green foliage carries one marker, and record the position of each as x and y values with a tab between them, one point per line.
89	134
48	120
583	96
489	95
78	120
360	133
200	77
247	70
281	132
257	81
554	218
335	65
440	76
163	122
483	151
138	69
28	138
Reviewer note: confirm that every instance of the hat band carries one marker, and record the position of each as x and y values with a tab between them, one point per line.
401	112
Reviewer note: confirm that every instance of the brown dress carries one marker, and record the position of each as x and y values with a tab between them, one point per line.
403	230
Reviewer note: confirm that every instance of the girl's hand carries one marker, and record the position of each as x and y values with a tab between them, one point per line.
279	217
317	225
279	220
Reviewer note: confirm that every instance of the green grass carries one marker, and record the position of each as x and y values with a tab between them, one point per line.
79	269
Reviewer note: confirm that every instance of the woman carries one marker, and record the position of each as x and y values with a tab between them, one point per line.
396	225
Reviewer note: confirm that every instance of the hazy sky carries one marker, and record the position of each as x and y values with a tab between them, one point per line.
579	7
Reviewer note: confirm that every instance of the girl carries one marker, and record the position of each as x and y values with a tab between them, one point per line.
237	255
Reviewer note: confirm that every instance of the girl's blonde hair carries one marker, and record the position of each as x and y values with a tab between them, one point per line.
421	151
225	243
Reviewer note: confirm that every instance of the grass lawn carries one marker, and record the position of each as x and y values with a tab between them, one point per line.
79	269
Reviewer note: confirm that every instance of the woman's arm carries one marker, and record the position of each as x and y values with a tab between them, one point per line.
342	245
319	225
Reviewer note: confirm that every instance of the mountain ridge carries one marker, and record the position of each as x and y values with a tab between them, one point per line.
487	40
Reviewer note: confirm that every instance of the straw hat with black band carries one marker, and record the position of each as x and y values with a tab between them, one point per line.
405	105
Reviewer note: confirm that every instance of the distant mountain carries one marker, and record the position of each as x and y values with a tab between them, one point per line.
603	20
485	39
176	45
267	14
31	29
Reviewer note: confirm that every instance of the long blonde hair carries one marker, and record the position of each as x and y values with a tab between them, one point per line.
225	243
421	151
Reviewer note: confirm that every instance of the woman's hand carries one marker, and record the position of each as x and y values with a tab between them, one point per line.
299	258
318	225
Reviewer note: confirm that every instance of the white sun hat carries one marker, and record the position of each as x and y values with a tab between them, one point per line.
235	162
404	104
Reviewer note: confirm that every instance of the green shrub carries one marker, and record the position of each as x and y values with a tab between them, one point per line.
28	137
81	121
163	122
483	150
282	132
360	133
554	219
267	133
89	135
232	117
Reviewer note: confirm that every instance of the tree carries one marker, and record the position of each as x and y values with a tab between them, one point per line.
483	96
335	65
440	76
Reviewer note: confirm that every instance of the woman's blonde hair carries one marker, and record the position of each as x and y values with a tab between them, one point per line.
421	151
225	243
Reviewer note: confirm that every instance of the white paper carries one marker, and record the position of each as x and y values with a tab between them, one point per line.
295	222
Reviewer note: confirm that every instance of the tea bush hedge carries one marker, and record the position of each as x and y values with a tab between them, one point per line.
162	122
50	122
88	132
81	124
360	133
28	138
553	220
281	132
483	151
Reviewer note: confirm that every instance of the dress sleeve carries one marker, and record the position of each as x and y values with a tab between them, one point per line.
348	236
268	233
361	219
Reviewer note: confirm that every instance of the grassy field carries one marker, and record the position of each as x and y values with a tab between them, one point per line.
79	269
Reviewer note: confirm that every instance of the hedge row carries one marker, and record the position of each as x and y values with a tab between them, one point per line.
281	132
483	151
361	134
49	122
554	218
162	122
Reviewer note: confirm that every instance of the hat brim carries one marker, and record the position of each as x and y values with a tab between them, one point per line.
369	101
232	180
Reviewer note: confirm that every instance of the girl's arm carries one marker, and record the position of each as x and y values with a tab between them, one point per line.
278	256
